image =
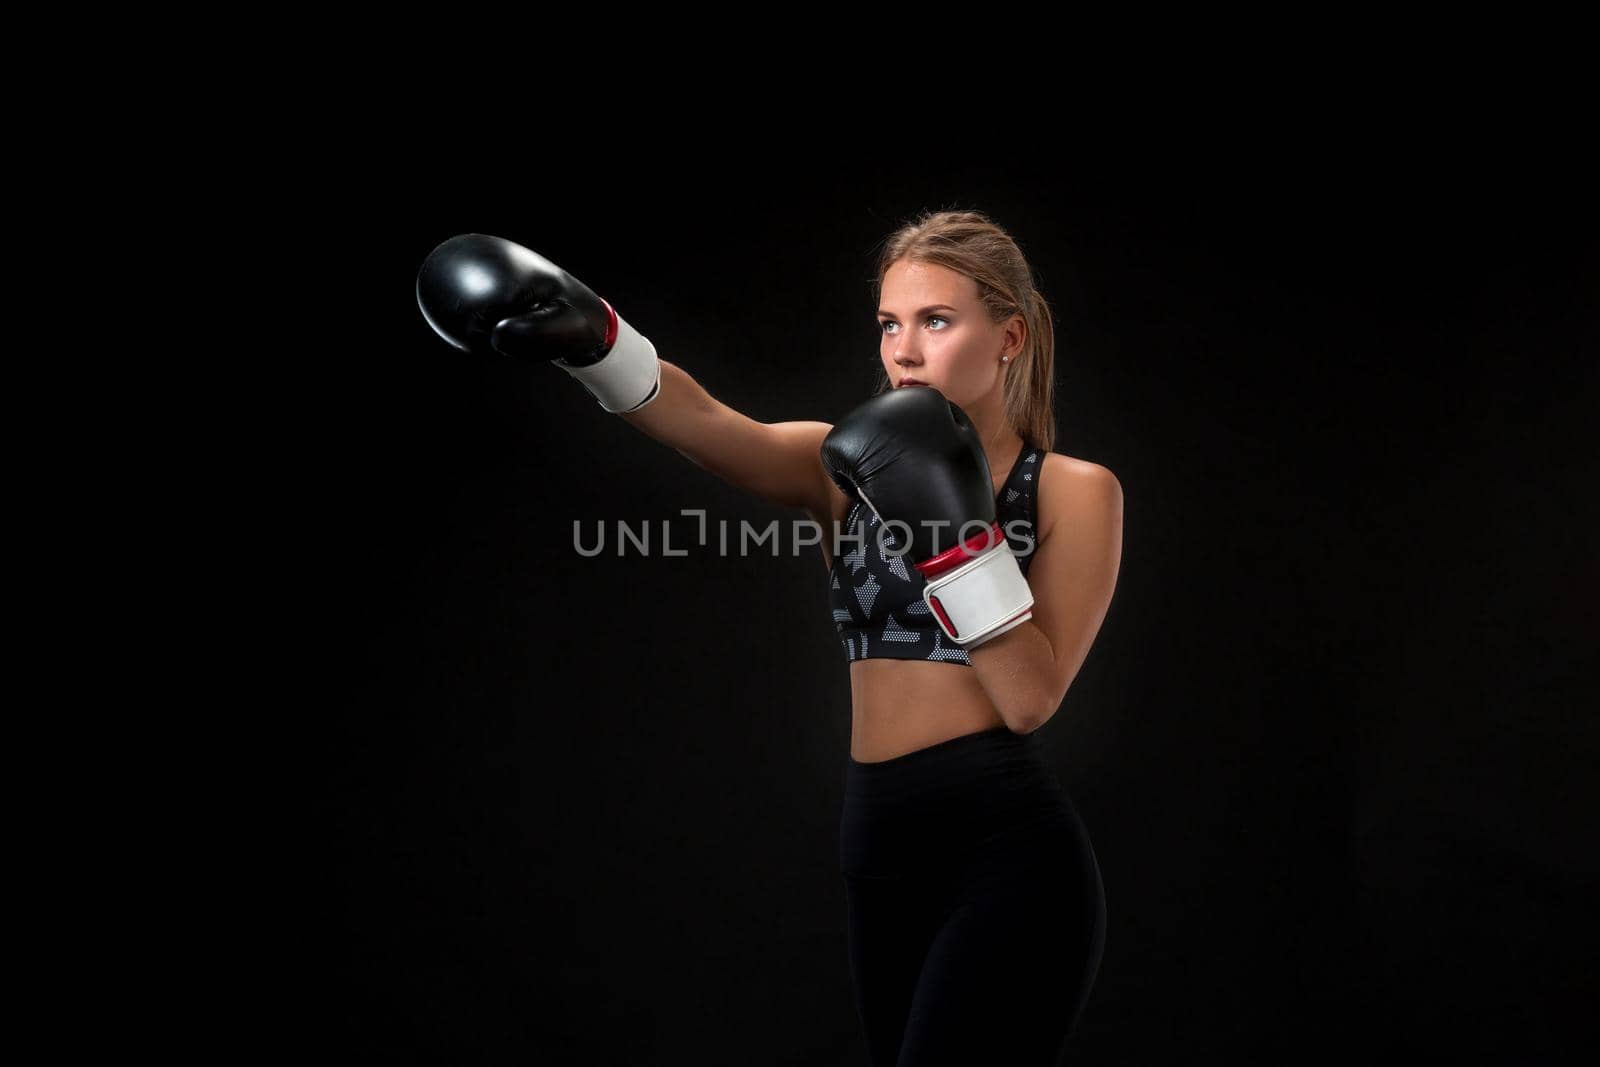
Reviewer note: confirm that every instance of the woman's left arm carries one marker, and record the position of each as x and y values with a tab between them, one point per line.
1026	671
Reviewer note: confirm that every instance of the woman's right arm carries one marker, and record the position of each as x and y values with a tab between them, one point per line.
779	461
486	294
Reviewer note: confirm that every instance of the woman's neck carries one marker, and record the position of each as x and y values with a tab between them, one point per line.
1001	444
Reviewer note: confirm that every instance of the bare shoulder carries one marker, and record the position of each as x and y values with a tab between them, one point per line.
1074	491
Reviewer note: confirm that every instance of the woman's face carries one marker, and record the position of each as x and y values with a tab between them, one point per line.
932	328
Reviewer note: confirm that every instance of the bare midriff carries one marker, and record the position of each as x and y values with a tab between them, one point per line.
900	705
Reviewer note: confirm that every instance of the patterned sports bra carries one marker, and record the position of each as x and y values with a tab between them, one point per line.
877	596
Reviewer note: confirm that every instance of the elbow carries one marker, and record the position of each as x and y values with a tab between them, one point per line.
1024	726
1040	715
1027	720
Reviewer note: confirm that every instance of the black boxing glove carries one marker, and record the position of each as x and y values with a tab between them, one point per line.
485	293
916	459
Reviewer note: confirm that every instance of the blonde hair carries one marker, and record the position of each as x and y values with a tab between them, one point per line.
970	243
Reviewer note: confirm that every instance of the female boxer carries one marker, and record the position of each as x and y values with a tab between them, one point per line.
970	568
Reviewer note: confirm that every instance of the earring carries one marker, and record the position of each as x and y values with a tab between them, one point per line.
1005	359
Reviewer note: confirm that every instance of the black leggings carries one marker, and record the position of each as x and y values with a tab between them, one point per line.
975	907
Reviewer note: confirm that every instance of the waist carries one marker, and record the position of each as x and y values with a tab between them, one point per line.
983	760
897	705
940	804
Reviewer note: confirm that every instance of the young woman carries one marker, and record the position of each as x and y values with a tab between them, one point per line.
976	912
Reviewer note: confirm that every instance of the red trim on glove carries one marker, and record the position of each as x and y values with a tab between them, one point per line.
952	558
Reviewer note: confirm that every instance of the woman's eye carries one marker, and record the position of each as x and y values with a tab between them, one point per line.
886	323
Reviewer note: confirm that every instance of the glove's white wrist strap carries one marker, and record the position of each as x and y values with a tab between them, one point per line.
629	376
982	598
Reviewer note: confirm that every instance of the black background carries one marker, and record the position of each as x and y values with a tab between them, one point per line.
1335	743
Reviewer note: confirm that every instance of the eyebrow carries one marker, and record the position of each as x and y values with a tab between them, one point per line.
924	311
